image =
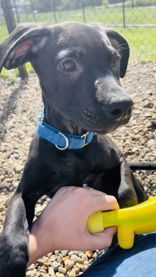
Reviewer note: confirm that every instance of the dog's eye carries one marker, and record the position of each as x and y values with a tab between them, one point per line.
68	66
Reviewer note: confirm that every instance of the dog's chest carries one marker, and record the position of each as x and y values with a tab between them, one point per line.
75	170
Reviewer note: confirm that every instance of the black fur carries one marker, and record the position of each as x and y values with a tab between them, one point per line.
79	67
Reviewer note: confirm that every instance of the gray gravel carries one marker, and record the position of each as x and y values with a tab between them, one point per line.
19	108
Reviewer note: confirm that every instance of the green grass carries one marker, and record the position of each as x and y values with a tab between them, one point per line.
11	75
109	15
142	40
142	43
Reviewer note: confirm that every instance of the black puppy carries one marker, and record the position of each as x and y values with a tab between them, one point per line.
79	66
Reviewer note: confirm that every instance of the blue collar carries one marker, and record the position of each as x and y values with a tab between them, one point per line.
61	140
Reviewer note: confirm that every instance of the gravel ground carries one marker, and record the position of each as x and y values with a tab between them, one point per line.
19	108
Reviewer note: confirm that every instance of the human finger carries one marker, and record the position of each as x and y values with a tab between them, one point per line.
104	203
100	240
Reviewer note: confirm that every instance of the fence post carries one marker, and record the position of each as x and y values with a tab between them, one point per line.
123	14
11	25
8	15
53	10
16	11
132	4
83	11
32	10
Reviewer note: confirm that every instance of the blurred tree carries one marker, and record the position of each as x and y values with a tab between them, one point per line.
76	4
93	2
45	6
116	1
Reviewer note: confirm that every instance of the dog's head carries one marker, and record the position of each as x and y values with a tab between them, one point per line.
79	67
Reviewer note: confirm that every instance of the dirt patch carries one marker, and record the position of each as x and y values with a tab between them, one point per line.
20	104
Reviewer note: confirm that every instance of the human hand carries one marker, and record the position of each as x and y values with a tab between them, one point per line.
62	225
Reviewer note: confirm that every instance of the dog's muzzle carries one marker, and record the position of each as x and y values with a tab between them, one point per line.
119	110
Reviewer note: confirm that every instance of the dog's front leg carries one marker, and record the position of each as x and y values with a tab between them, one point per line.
19	217
130	192
13	241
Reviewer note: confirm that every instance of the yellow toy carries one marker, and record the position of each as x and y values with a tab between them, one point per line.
138	219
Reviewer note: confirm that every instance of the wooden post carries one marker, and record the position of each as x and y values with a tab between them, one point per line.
11	25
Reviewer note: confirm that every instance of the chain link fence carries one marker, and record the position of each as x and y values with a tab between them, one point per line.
135	19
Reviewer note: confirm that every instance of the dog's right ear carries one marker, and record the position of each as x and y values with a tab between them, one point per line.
23	45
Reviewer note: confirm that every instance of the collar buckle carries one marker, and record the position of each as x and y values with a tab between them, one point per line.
84	136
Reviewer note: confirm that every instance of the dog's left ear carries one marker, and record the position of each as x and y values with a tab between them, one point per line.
122	46
23	44
118	42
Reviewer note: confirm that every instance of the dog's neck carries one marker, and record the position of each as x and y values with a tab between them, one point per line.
55	119
61	133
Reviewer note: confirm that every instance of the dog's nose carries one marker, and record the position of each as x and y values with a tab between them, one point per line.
119	109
